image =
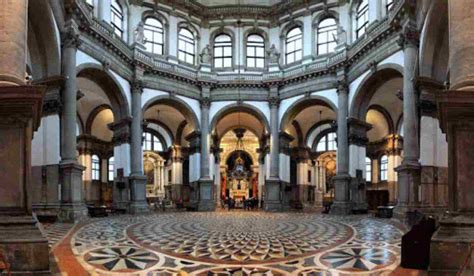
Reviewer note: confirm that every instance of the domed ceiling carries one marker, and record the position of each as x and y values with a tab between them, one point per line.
241	2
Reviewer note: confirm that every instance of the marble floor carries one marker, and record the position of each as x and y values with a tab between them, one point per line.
229	243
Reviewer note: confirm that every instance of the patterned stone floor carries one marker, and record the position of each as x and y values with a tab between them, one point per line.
236	243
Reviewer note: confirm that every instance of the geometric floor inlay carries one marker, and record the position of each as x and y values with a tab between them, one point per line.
237	243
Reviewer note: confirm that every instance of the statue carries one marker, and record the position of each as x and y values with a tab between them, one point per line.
341	37
206	54
273	54
140	34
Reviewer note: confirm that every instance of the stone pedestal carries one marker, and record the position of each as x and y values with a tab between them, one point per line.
409	173
121	194
452	242
138	203
342	204
273	195
20	238
206	200
73	208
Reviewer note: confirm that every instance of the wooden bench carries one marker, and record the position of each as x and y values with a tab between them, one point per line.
4	265
385	211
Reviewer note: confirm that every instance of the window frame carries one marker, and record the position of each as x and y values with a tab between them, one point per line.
222	45
294	39
117	11
383	168
362	11
329	145
368	169
389	5
95	167
186	40
329	32
111	173
152	141
156	31
255	45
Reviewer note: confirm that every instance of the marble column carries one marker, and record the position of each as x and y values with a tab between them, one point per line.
176	173
206	186
409	170
273	200
451	245
137	180
342	204
72	192
21	241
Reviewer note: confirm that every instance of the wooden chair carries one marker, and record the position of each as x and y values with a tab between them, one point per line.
4	265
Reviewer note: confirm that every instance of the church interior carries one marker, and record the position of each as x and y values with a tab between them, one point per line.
236	137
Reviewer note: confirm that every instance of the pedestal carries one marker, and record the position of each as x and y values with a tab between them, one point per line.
451	245
206	199
273	196
121	195
409	179
342	204
20	238
452	242
138	203
73	208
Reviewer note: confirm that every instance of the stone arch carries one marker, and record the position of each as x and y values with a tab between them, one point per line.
301	104
110	85
245	108
386	115
177	103
165	128
44	51
366	90
315	126
93	114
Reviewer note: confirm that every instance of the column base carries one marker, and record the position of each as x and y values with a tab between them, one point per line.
24	246
451	245
73	212
206	196
342	204
138	203
273	201
73	208
409	179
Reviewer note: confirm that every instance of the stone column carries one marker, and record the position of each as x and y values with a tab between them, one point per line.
357	144
206	185
72	192
21	241
342	204
451	245
273	191
409	170
177	172
302	183
137	180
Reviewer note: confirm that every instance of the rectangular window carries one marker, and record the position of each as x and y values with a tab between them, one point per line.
95	167
111	168
384	168
116	19
368	169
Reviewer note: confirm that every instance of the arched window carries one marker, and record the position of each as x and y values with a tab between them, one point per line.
95	167
327	143
383	168
255	51
153	32
223	51
294	45
327	34
116	18
110	168
368	169
362	18
186	46
151	142
389	5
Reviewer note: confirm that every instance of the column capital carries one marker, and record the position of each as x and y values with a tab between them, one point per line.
70	36
205	102
409	36
358	131
342	86
273	101
137	86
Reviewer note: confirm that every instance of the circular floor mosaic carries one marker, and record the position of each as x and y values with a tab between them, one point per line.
237	243
244	239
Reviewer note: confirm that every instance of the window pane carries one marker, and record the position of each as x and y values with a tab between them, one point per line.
260	63
227	51
250	62
227	62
